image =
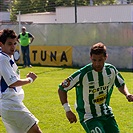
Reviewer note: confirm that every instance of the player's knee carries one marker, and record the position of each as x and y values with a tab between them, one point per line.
35	129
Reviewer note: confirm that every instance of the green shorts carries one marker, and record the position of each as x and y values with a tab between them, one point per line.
104	124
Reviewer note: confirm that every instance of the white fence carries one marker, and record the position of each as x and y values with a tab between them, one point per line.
118	37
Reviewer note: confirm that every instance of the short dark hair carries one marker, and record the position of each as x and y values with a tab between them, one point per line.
98	48
7	33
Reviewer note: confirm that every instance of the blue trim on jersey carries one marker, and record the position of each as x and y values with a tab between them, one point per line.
4	85
3	53
11	63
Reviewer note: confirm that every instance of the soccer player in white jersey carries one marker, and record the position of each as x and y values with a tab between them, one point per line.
16	68
0	81
94	85
15	115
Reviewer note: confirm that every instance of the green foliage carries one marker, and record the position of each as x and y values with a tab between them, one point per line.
42	100
104	2
3	7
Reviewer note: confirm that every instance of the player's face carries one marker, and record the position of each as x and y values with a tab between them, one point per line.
98	62
9	46
23	30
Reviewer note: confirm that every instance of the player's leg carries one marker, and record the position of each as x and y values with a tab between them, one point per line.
34	129
20	121
28	55
24	55
93	126
111	126
0	106
12	128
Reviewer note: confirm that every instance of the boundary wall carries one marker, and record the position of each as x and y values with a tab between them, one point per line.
69	44
85	14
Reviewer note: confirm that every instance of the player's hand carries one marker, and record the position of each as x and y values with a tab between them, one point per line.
71	117
32	75
130	97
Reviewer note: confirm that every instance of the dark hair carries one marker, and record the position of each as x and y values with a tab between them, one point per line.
7	33
98	48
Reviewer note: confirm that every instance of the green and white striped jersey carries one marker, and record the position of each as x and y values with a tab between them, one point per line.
93	90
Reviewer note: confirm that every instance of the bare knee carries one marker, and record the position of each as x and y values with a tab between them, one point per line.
35	129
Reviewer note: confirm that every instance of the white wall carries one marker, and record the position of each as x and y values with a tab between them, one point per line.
4	16
116	13
48	17
85	14
65	14
111	13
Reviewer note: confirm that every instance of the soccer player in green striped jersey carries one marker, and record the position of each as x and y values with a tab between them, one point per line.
94	85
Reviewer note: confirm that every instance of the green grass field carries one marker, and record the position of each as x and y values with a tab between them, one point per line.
42	100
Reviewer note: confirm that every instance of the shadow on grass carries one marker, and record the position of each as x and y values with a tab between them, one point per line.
71	67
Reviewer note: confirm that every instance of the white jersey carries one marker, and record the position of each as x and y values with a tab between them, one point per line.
0	92
13	110
9	74
0	82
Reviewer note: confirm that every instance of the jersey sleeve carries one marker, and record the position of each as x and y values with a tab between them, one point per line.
7	72
30	35
18	36
119	80
70	82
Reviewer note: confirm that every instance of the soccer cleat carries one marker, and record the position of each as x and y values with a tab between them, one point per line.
30	66
24	66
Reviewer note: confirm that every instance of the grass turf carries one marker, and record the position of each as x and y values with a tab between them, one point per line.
42	100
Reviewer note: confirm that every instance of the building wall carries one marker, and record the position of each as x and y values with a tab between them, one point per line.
4	16
38	17
85	14
116	13
65	14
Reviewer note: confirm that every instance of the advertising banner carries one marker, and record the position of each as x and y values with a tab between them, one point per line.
50	55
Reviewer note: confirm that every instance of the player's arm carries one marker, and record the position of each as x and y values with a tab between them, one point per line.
31	36
69	114
18	38
120	84
124	90
20	82
62	96
64	87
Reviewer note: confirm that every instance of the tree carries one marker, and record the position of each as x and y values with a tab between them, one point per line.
50	6
3	6
103	2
